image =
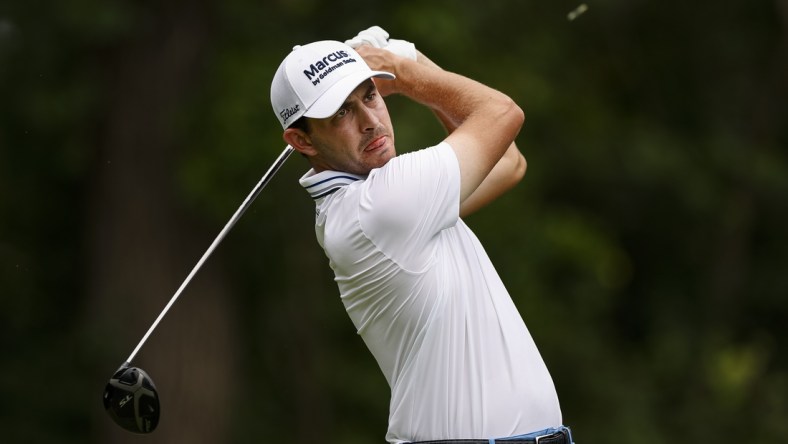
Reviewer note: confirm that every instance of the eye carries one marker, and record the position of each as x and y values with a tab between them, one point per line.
342	112
371	96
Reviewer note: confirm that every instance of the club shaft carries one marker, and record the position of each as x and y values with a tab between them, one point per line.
238	213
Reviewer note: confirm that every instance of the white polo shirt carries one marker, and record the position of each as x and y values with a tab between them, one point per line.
429	304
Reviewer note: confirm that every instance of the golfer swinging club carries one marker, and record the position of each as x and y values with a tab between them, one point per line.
412	276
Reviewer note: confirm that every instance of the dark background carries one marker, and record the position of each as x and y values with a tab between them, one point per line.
646	248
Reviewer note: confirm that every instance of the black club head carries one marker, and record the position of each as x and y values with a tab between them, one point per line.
131	400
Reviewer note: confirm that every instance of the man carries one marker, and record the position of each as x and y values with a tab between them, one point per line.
414	279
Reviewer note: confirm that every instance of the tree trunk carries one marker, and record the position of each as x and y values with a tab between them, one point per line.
140	249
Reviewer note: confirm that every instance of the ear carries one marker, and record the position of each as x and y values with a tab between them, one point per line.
300	141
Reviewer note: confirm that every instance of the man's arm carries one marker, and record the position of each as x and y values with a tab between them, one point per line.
485	121
503	177
506	174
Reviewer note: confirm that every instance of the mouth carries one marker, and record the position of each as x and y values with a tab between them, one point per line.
376	144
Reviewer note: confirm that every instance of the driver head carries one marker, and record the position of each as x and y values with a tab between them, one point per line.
131	400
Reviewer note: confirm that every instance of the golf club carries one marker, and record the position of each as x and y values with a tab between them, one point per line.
130	397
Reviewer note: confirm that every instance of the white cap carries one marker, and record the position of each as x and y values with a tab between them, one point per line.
315	80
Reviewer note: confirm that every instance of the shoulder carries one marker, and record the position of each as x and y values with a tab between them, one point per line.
414	189
414	174
439	154
438	162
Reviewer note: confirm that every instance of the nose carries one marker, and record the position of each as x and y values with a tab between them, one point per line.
369	120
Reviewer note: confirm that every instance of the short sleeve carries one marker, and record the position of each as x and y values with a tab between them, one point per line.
409	201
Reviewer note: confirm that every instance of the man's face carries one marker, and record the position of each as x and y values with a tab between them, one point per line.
357	138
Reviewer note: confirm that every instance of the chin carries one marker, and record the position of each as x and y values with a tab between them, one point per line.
385	158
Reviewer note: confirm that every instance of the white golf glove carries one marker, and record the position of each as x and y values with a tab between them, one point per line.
402	48
374	36
379	38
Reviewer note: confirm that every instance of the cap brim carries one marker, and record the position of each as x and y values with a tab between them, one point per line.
327	104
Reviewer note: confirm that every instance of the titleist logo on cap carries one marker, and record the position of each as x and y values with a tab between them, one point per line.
323	67
287	113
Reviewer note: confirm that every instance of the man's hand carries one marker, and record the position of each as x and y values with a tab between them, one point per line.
373	36
377	37
382	60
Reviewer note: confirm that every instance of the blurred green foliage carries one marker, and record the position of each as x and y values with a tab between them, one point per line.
646	248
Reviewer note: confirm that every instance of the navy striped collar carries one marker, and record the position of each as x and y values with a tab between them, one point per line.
326	182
